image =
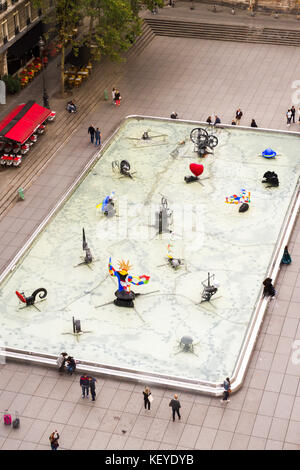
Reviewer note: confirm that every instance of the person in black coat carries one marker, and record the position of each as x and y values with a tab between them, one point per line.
91	130
269	290
253	123
175	405
146	394
92	383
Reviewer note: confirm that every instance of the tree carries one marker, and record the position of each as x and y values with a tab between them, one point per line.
62	17
112	27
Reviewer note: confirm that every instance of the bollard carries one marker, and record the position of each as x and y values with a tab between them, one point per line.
21	194
105	95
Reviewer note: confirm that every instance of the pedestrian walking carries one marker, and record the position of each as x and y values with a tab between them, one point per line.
208	120
253	123
117	98
217	120
286	258
175	405
113	96
288	117
92	384
97	137
85	385
91	131
147	398
71	365
293	111
238	116
60	361
53	438
227	390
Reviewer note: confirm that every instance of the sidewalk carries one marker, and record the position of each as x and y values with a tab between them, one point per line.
203	13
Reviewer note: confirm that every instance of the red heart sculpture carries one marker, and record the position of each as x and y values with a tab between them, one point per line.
196	169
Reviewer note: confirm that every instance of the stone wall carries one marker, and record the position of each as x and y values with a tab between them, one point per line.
288	6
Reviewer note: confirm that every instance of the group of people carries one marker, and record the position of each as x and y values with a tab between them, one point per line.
291	114
66	363
95	134
116	97
234	122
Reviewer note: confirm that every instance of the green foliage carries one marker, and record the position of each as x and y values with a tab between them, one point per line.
12	84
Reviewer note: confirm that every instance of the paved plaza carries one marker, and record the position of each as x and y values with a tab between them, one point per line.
196	78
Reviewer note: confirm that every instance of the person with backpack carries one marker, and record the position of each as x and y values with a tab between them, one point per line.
53	438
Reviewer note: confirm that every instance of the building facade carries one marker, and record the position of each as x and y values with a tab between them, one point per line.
20	29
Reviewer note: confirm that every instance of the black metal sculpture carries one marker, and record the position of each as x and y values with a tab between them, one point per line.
163	218
209	290
31	299
271	178
203	141
123	167
88	255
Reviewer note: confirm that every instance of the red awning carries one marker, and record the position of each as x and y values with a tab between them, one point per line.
22	121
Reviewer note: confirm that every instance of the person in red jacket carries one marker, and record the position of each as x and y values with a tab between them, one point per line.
85	384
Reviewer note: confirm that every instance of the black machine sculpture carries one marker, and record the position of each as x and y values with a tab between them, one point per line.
88	255
123	167
31	299
210	288
77	331
271	178
203	141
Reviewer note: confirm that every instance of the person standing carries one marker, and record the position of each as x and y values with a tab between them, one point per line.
92	384
53	438
253	123
61	361
147	394
175	405
117	98
91	131
288	117
238	116
98	137
113	96
227	390
85	385
293	111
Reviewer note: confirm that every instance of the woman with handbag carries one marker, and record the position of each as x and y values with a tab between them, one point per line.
227	390
148	399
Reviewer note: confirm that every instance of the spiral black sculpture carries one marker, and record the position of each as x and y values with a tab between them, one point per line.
31	299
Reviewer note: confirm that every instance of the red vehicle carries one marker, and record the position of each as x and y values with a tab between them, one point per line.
20	129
